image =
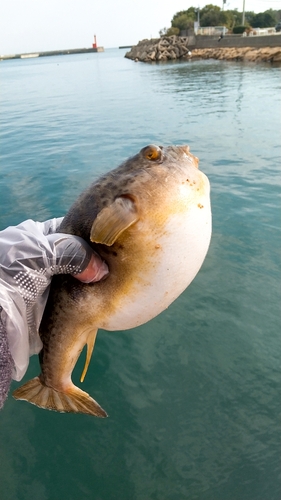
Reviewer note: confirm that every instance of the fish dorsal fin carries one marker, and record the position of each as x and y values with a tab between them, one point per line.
90	347
113	220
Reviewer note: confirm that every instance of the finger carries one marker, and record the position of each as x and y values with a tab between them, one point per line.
96	270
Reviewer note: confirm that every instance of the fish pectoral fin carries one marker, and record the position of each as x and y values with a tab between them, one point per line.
113	220
72	400
90	347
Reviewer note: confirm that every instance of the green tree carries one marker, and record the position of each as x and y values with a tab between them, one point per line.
169	32
184	19
235	18
225	19
189	13
182	22
249	17
210	15
263	20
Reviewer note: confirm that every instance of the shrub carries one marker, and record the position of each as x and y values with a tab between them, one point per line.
173	31
239	29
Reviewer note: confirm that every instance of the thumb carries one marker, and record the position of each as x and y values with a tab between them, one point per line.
95	270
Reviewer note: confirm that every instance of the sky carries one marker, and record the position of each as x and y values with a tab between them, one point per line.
41	25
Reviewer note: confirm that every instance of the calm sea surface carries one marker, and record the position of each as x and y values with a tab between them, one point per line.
194	396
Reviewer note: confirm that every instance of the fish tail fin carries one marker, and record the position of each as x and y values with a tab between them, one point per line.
72	400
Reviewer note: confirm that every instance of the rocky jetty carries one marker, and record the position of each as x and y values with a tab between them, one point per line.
265	54
160	49
176	47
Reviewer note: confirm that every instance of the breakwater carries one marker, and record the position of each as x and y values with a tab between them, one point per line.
49	53
262	48
160	49
264	54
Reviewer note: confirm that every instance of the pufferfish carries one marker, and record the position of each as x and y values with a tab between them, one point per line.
150	220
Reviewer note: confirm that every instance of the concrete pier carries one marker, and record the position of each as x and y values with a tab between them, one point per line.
51	53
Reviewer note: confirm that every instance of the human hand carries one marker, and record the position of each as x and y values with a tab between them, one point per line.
31	253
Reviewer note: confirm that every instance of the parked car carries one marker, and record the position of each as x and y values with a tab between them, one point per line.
278	27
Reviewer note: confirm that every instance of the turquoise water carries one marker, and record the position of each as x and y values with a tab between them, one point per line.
193	397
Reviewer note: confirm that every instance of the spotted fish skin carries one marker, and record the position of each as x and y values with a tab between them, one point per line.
150	220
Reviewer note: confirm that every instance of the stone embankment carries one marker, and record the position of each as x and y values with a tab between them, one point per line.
265	54
176	47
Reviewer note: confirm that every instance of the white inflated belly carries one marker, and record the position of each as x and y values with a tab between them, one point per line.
182	250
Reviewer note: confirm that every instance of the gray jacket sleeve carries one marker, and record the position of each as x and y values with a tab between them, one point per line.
30	254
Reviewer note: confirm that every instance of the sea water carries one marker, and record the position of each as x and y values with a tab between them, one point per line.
193	397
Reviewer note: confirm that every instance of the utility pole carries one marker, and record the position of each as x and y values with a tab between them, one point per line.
243	15
197	23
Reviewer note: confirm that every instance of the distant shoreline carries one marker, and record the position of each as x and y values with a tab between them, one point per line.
32	55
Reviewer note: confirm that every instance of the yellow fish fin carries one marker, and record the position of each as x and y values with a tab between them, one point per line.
90	347
113	220
71	400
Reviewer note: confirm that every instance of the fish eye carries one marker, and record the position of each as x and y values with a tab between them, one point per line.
152	152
